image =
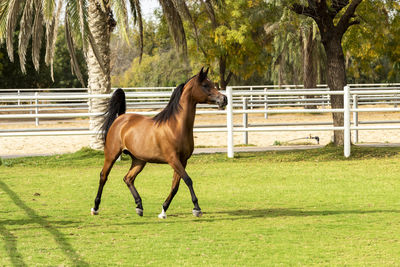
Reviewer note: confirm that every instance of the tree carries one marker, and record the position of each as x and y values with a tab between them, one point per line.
333	19
232	37
88	23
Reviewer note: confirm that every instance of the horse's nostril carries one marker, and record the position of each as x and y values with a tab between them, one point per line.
224	100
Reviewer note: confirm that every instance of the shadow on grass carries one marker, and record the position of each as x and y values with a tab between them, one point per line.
34	218
244	214
10	245
271	213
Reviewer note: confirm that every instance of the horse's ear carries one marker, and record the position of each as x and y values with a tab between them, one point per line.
203	75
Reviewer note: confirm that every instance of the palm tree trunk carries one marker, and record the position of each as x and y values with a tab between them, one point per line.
99	78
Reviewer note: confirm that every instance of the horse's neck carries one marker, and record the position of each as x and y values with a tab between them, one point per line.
186	115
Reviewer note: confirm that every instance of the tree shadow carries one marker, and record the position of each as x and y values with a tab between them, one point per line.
10	245
34	218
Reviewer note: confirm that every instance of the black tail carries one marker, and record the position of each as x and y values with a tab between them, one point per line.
116	107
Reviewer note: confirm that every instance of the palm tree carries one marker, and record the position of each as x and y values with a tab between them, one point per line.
88	23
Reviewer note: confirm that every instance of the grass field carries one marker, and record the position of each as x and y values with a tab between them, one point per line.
274	208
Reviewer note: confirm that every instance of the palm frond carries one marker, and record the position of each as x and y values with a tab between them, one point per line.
25	33
77	13
48	7
137	14
175	25
37	34
3	20
185	13
102	5
75	26
121	12
51	33
81	18
13	11
70	44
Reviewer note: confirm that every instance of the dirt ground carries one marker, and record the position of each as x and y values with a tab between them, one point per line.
10	146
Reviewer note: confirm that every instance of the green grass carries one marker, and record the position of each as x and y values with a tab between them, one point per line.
308	207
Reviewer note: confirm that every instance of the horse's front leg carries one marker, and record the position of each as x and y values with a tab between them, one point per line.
174	189
179	168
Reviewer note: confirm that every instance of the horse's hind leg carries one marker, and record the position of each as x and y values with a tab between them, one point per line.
136	167
109	161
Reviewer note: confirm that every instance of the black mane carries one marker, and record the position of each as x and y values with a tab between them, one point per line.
172	107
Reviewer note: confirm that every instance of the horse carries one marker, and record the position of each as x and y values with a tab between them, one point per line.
165	138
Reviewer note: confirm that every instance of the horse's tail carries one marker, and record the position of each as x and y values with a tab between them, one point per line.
116	107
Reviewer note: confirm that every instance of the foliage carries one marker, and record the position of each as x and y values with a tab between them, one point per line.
237	37
325	212
160	65
12	76
263	44
372	48
164	69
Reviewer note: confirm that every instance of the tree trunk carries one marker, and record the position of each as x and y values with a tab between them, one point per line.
336	79
309	62
99	80
222	71
331	27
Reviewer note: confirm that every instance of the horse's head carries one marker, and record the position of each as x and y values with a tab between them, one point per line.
205	91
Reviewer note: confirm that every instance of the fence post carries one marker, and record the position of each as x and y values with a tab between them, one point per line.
346	122
265	103
251	98
36	108
245	122
355	118
229	122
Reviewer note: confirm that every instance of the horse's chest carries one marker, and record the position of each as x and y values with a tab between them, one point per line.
185	147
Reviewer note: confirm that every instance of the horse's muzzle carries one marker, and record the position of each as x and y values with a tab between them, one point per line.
222	101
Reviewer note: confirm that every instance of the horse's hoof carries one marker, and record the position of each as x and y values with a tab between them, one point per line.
94	212
197	213
162	215
139	212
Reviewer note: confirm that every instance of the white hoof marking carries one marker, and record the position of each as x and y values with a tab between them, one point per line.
197	213
162	215
94	212
139	211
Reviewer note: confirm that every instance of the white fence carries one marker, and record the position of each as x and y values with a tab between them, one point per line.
28	104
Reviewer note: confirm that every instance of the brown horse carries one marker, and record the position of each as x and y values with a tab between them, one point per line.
165	138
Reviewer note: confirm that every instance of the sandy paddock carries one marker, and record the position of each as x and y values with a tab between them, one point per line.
63	144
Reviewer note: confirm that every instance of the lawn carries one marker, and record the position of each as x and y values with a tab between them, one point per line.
274	208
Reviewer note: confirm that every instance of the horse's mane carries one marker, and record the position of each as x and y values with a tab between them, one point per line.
173	105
